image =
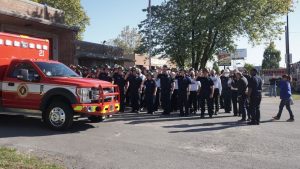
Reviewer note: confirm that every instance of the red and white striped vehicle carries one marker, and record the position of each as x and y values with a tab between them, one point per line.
33	85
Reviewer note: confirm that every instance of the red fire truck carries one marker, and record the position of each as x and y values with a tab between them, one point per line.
33	85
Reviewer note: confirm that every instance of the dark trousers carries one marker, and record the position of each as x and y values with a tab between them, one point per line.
174	101
227	100
183	103
255	108
122	101
149	100
166	101
157	100
287	104
242	106
222	101
216	99
234	96
209	103
193	100
135	100
142	100
248	109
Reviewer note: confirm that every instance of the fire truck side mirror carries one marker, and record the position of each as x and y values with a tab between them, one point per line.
23	75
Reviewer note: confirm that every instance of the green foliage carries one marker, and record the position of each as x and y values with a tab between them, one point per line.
74	13
271	57
216	67
195	30
129	40
248	67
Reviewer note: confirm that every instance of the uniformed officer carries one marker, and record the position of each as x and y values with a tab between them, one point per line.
104	75
119	79
206	93
254	94
226	90
150	92
135	85
167	86
242	84
174	97
234	93
248	77
183	92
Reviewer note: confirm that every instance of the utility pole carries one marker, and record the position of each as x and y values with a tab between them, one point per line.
287	44
150	33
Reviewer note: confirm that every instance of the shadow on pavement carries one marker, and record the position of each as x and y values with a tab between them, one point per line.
132	118
18	126
210	126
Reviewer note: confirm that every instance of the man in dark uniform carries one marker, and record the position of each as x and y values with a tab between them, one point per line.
135	85
242	84
248	77
234	93
254	94
104	75
206	94
226	91
119	79
167	86
150	93
183	90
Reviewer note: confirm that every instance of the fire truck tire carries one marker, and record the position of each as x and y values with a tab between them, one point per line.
58	116
96	119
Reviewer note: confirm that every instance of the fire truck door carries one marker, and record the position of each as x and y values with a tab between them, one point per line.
21	89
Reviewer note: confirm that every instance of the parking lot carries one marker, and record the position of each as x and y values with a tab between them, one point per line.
145	141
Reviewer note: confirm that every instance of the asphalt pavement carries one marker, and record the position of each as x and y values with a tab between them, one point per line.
140	141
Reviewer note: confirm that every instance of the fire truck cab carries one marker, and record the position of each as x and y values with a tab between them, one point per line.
33	85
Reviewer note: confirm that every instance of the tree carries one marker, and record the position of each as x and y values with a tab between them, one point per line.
271	57
248	67
129	39
194	30
74	13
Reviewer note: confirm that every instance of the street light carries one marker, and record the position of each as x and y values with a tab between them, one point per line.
150	35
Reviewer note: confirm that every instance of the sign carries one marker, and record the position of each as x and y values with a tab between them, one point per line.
239	54
224	59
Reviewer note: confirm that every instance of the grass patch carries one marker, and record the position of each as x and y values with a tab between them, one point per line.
296	96
11	159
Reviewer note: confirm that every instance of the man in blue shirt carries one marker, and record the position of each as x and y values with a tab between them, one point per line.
286	97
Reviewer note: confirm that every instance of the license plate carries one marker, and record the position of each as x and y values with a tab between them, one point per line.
111	108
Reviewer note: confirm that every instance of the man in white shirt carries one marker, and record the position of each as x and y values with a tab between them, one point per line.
217	89
194	90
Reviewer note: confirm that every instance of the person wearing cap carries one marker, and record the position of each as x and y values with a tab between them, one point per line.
119	79
206	93
134	87
217	89
255	95
150	92
183	92
286	98
167	87
242	84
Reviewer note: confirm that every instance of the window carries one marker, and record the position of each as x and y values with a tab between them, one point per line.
21	66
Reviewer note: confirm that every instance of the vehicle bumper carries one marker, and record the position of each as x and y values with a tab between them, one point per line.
97	109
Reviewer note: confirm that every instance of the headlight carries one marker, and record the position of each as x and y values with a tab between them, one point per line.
84	95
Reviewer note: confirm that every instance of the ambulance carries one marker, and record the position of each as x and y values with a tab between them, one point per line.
32	85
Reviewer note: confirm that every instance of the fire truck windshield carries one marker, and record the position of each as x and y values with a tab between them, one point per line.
56	69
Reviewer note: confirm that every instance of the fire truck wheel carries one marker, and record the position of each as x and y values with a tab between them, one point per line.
58	116
96	119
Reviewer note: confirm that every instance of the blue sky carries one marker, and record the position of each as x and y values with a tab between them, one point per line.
108	17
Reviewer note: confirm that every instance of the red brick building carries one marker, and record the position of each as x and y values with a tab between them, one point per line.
29	18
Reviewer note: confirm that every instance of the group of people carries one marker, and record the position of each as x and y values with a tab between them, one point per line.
187	91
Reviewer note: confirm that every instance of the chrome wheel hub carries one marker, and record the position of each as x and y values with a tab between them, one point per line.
57	117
